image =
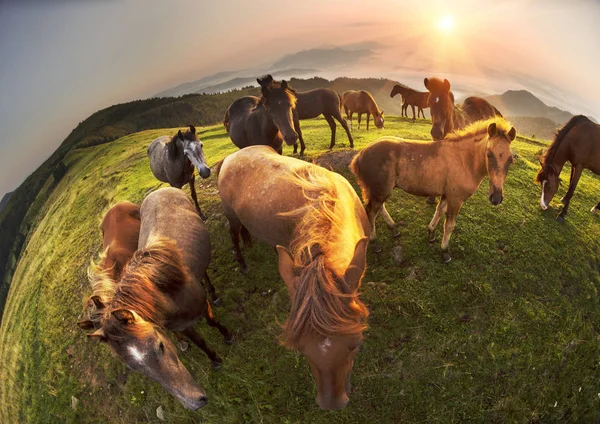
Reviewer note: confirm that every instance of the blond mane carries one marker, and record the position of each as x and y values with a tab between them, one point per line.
480	128
324	302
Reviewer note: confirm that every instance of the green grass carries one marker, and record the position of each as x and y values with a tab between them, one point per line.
507	332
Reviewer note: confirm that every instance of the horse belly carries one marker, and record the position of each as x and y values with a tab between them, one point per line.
419	175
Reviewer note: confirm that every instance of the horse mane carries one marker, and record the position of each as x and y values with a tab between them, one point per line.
152	273
547	158
289	91
480	128
370	96
323	302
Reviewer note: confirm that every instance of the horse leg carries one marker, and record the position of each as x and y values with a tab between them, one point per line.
359	116
404	107
183	344
331	123
210	320
372	207
595	209
439	211
389	221
574	181
195	198
299	131
451	213
570	182
344	124
211	290
420	111
368	118
197	339
413	110
235	227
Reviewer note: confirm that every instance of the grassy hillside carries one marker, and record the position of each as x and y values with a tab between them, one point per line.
507	332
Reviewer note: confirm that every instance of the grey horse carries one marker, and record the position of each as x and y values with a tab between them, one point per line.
172	160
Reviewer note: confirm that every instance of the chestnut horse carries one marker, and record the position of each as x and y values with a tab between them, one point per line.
159	290
452	168
577	142
446	117
412	98
320	230
361	102
268	120
172	160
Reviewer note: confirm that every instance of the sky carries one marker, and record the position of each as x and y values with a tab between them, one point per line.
62	60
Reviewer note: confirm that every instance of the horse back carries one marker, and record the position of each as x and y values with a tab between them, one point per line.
237	118
313	103
478	109
120	230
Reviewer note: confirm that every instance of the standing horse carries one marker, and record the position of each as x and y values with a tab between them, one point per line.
268	120
362	102
412	98
452	168
313	103
577	142
172	160
159	290
320	230
446	117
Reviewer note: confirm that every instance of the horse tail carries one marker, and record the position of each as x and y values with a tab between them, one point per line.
355	168
246	236
341	104
218	166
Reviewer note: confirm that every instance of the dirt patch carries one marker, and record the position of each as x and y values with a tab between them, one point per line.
338	160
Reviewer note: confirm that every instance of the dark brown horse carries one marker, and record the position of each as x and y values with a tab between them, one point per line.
268	120
172	160
320	229
313	103
447	117
159	290
412	98
362	102
452	168
577	142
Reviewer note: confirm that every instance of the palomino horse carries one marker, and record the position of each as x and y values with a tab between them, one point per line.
172	160
361	102
320	229
313	103
577	142
159	290
446	117
412	98
452	168
268	120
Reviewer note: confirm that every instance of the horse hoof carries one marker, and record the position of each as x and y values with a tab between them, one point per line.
396	234
203	217
447	257
183	345
229	340
594	210
217	301
216	363
562	200
560	218
377	247
431	200
244	269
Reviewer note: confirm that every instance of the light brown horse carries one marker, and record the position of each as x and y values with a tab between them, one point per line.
412	98
446	116
362	102
159	290
452	168
320	229
577	142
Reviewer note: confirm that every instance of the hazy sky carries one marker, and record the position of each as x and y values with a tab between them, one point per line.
61	60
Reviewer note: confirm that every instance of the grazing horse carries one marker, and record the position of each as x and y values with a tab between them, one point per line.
172	160
268	120
452	168
446	117
362	102
577	142
313	103
159	290
320	230
412	98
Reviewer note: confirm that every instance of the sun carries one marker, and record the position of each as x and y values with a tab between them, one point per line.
446	23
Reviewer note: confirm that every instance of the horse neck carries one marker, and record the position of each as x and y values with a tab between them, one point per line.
267	126
473	152
560	157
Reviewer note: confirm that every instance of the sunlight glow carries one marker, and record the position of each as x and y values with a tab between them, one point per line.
446	23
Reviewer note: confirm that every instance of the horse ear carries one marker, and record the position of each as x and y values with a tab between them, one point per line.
266	80
492	130
192	129
124	316
85	324
97	302
284	84
446	85
286	269
512	134
426	81
180	135
99	335
359	263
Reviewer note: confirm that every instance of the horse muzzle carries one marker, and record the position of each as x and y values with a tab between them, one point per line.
204	171
496	198
437	133
290	139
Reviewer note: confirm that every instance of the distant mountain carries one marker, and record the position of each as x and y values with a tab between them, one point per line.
523	103
323	58
5	199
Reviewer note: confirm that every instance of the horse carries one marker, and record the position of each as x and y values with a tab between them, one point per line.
172	160
446	117
452	168
362	102
577	142
268	120
159	290
313	103
319	228
412	98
